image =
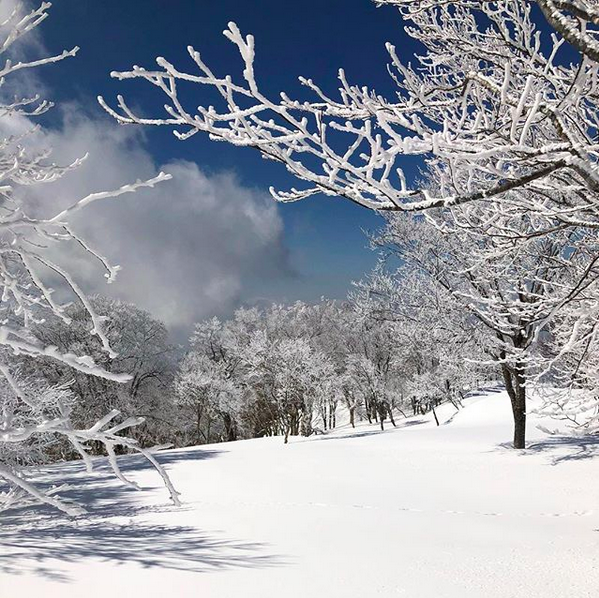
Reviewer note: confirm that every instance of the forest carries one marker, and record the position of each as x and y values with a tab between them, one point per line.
487	273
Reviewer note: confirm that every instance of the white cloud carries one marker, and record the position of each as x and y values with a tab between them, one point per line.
191	248
10	7
188	248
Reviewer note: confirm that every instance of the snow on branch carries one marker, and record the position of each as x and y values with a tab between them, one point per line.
48	416
131	188
31	413
570	18
489	94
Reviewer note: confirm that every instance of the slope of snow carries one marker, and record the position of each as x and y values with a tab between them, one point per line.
417	511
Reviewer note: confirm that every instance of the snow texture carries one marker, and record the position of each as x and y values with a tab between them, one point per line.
418	511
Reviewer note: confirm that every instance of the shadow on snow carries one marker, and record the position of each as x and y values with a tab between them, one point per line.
577	447
560	448
37	540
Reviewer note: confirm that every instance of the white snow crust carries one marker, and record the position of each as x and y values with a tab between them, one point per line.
418	511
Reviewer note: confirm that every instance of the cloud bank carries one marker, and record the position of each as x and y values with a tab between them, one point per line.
189	249
193	247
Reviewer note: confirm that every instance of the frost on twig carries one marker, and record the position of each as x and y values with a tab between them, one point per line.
31	414
34	416
489	95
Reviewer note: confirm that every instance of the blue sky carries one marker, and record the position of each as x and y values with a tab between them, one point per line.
323	237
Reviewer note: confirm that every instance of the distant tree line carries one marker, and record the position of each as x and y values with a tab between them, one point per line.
284	370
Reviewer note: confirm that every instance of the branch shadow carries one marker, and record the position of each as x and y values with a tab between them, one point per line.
411	423
485	390
44	549
99	491
38	540
578	447
361	434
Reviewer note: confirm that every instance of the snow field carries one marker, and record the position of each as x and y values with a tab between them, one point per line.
417	511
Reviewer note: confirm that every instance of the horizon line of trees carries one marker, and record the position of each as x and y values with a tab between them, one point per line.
496	242
398	347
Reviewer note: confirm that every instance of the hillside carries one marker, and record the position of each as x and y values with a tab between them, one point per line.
417	511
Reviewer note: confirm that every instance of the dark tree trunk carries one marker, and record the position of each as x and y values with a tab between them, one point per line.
390	414
514	383
368	410
295	424
199	424
382	413
230	427
520	424
306	423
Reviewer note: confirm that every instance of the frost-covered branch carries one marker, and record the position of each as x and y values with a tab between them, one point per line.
489	95
33	414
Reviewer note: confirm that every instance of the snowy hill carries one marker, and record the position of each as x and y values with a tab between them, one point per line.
417	511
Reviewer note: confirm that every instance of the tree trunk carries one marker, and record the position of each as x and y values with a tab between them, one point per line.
390	414
295	423
514	383
368	410
519	425
199	424
230	427
382	412
306	423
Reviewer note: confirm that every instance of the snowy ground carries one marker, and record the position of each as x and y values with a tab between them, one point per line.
419	511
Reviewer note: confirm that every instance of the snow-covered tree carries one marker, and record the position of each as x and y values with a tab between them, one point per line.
571	365
143	352
492	93
288	376
285	370
490	263
438	348
205	387
31	411
273	371
52	401
371	383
